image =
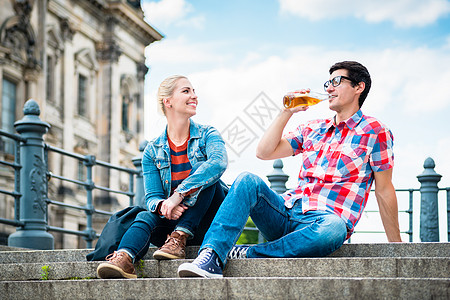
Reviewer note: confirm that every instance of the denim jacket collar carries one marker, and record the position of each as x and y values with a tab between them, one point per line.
194	131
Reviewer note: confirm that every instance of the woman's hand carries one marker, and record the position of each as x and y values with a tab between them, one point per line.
172	208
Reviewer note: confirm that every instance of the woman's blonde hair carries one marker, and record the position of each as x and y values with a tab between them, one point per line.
166	89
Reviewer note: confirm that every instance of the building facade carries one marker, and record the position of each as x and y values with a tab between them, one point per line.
83	62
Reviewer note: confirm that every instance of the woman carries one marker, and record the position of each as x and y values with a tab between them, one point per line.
183	192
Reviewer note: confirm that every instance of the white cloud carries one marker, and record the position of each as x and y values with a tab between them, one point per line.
168	12
414	77
403	13
182	51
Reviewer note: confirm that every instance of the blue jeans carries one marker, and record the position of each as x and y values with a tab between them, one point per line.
289	232
149	228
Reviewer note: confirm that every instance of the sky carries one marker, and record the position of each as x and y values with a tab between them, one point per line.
242	56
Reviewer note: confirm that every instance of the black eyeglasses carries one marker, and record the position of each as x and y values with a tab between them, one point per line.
336	81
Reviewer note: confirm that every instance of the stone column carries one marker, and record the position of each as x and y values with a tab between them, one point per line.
33	182
108	53
278	178
429	216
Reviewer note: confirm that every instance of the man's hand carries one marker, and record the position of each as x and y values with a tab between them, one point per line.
300	107
172	208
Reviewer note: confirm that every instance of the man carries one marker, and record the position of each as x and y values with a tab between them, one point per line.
342	156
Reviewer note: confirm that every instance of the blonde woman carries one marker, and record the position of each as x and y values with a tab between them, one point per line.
182	169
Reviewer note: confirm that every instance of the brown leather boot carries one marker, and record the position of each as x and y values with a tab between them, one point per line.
118	265
174	248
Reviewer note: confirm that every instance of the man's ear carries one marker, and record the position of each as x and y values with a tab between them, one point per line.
360	87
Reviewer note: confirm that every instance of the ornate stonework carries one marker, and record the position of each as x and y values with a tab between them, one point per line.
17	34
108	51
38	182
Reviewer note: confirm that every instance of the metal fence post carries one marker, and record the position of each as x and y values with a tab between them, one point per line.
89	163
448	214
139	198
429	216
33	182
278	178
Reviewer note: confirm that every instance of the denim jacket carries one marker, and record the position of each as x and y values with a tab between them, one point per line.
206	153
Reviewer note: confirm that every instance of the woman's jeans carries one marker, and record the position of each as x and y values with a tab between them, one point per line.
289	232
150	228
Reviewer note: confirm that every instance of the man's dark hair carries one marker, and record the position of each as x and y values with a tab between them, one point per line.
357	72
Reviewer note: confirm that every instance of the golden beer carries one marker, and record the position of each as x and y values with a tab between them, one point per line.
308	99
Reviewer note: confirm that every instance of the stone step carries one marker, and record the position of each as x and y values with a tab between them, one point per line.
230	288
11	255
264	267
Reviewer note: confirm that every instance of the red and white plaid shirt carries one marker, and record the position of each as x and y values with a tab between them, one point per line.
338	164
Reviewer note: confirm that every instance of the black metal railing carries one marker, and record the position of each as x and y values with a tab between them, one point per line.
89	185
30	191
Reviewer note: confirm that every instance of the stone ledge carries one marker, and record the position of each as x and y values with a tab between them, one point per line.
264	267
230	288
12	255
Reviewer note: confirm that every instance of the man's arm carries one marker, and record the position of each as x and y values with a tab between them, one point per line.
272	145
387	202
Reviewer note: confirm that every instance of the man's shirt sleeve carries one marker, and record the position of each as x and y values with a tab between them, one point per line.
295	139
382	157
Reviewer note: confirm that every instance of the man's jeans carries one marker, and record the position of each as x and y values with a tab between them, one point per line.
289	232
149	227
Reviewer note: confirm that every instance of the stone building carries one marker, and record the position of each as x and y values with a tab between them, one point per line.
83	62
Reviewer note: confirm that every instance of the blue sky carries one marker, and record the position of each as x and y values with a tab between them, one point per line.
242	56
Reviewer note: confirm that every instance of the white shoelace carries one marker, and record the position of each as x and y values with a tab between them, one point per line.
204	256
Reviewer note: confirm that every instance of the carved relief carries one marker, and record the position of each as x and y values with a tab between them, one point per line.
67	30
109	51
38	184
142	70
17	34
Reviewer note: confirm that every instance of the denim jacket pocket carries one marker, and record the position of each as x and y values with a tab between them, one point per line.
161	163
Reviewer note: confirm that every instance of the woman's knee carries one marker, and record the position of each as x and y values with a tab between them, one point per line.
148	218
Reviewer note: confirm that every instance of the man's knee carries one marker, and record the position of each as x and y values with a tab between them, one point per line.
333	230
247	179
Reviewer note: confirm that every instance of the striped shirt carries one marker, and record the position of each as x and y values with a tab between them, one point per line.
180	166
338	164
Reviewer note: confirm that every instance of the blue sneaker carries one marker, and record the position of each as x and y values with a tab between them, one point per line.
206	265
238	251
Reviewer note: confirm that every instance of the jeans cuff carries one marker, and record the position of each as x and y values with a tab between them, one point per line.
127	252
185	230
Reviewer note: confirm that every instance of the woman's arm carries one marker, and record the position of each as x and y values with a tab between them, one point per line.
154	192
209	171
